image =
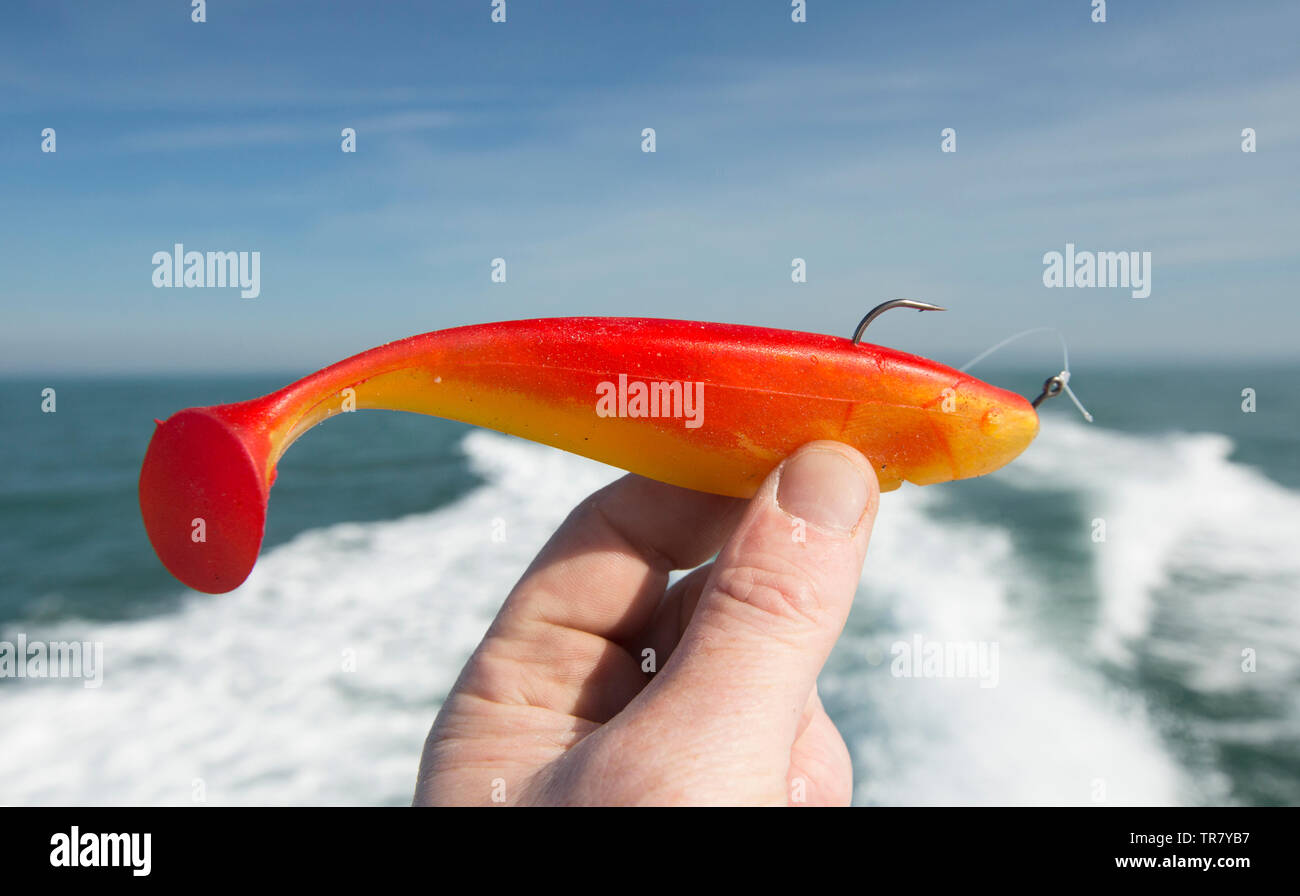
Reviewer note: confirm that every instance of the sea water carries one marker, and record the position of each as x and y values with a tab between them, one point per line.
1157	664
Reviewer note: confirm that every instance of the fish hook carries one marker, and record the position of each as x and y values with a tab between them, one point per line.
882	308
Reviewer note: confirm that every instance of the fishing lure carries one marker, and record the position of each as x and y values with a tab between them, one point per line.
712	407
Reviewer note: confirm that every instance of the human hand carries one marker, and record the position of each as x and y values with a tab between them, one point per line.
554	706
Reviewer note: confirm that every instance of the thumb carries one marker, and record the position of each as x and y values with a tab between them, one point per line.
776	601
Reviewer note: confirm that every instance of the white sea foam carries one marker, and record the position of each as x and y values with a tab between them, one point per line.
1197	565
1048	733
1176	508
248	693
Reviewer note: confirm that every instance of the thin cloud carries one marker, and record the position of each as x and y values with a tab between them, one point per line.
237	134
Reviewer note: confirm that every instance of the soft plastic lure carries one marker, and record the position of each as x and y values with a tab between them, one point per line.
712	407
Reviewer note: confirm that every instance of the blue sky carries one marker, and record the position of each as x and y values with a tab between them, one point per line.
522	140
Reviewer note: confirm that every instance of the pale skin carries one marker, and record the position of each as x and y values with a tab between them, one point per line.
554	706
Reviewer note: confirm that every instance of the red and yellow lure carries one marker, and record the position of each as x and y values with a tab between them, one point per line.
712	407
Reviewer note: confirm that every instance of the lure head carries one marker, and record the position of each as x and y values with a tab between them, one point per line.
1004	424
924	422
203	493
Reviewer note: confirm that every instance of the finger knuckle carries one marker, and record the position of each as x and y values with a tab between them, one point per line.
774	588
